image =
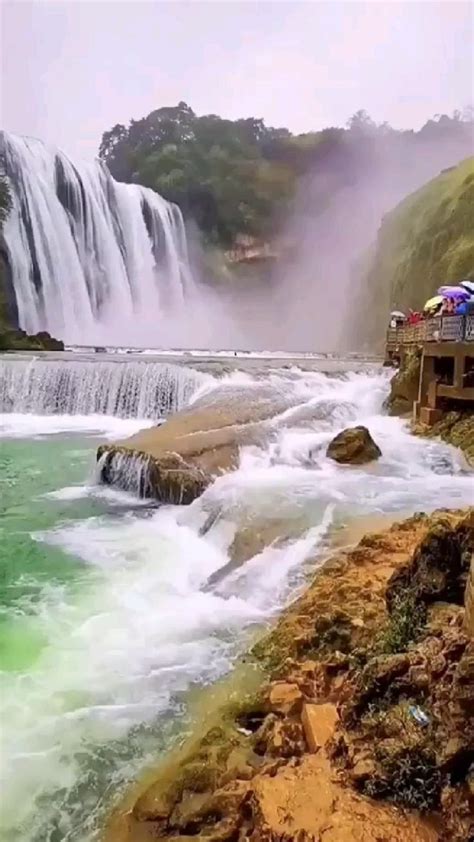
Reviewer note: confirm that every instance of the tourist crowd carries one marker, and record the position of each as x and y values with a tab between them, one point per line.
453	300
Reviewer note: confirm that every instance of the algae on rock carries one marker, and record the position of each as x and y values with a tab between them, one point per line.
456	428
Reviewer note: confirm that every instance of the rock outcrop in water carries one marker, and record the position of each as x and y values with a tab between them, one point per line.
364	729
175	462
354	446
404	385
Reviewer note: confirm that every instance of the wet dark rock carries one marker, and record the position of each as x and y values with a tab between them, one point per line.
353	446
404	385
439	568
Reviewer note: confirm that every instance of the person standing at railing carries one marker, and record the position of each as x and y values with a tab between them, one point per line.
414	317
448	307
462	308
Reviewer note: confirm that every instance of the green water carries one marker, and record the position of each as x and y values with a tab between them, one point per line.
37	577
29	469
83	631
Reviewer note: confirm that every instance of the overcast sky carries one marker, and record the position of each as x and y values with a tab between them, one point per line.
71	70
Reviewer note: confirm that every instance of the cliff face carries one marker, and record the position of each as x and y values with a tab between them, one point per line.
426	241
404	385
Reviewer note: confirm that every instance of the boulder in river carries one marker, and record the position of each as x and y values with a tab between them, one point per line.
176	461
353	446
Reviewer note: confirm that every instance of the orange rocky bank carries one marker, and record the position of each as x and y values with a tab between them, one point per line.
363	730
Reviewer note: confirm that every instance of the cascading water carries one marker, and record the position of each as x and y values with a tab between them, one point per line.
120	389
113	613
89	257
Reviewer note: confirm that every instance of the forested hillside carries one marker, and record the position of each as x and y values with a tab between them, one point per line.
426	241
240	177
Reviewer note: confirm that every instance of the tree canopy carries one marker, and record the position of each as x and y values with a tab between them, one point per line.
239	177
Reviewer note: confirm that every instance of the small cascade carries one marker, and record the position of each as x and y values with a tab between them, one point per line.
127	471
121	389
90	258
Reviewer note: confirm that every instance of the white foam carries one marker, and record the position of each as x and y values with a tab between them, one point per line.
18	425
143	624
140	630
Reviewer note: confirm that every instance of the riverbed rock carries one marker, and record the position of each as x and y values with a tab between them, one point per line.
353	446
176	461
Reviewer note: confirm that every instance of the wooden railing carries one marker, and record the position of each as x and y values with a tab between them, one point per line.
438	329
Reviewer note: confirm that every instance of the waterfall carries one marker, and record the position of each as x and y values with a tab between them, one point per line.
92	260
122	389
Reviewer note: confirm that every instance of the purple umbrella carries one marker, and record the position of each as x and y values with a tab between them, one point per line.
457	293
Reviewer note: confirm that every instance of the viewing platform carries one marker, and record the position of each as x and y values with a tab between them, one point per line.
446	380
439	329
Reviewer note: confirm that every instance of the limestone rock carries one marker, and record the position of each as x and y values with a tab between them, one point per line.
175	461
363	769
353	446
319	724
285	698
280	738
404	385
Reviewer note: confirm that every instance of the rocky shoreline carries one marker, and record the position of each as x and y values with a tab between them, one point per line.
456	427
363	726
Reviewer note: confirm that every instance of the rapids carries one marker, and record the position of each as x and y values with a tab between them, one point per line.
111	613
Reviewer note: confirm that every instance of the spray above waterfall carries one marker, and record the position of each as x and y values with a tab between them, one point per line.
89	256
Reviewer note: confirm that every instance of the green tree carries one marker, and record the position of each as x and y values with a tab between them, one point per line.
240	176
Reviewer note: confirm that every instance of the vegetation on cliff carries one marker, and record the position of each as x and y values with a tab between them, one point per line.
426	241
239	177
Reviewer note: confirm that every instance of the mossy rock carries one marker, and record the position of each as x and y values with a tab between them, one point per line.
19	340
404	385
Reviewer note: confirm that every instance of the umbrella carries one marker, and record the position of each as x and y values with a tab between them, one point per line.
468	286
454	292
397	314
433	303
